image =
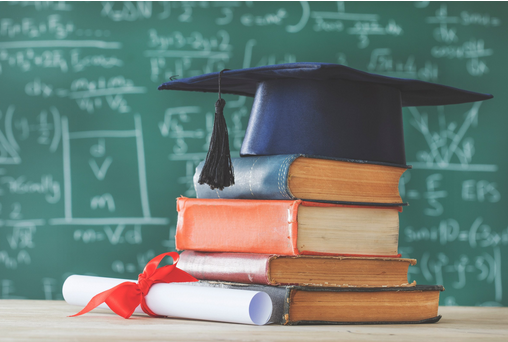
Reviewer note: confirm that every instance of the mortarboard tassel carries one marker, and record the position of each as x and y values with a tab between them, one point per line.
218	170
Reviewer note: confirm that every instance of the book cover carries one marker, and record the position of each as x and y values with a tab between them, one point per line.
286	227
270	269
309	178
295	305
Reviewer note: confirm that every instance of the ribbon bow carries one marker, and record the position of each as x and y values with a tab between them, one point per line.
124	298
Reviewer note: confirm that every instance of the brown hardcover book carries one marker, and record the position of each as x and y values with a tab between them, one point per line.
266	269
293	305
296	176
286	227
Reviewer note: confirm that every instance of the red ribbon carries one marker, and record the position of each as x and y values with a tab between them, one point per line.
124	298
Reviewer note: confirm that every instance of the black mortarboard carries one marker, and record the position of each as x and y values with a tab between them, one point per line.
324	109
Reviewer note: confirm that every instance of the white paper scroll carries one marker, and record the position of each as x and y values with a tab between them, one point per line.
181	300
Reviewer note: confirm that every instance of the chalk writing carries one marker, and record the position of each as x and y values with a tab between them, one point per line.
173	54
46	186
103	201
473	49
485	268
44	5
481	191
275	18
92	157
54	26
382	62
447	231
119	266
8	289
13	262
362	25
114	235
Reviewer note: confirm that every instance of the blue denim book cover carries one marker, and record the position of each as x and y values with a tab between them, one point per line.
266	177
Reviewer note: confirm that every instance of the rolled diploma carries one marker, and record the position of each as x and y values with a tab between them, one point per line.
181	300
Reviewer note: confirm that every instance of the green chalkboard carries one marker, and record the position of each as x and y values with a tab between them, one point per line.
92	156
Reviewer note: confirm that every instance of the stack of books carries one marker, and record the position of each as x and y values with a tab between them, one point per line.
320	236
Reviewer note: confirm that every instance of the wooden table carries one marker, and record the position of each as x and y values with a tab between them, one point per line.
28	320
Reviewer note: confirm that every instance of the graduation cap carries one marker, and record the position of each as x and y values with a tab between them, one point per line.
319	109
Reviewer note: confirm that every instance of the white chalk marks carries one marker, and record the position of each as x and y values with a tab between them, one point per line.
449	143
100	162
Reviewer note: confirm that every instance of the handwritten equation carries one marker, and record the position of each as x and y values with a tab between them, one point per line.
92	157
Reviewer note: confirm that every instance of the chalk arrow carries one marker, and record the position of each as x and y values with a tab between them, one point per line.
100	173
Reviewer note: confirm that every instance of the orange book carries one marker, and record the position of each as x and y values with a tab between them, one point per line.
286	227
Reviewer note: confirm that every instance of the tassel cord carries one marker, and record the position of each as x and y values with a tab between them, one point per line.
218	169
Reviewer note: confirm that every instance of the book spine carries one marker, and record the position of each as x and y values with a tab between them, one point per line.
263	177
248	268
238	226
281	300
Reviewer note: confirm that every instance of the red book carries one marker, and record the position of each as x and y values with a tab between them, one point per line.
286	227
269	269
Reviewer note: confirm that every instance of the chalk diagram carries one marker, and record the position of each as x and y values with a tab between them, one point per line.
448	143
104	200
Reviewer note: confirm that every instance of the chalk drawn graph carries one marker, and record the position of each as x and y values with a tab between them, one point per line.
448	143
136	133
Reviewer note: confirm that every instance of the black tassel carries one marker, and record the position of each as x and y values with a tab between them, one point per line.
218	170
